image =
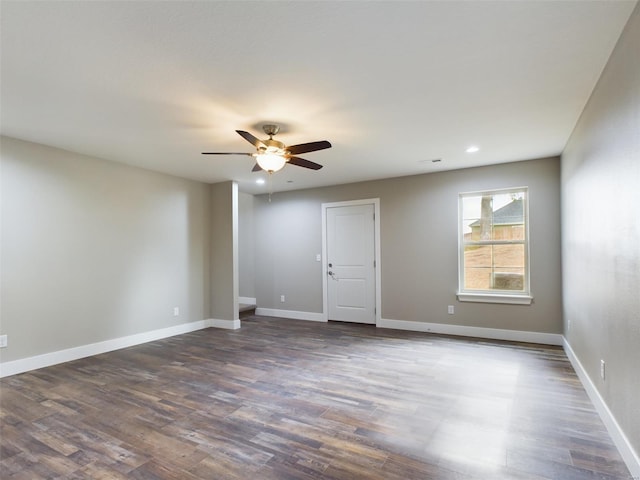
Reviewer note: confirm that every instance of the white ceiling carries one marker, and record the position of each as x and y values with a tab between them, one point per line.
392	85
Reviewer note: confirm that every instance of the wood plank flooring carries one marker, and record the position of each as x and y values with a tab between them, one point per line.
283	399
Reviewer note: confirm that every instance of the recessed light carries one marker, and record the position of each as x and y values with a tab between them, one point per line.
260	181
472	149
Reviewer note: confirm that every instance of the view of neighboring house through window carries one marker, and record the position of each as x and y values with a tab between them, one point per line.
493	242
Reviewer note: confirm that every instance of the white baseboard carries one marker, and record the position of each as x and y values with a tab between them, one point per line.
227	324
48	359
291	314
480	332
247	300
623	445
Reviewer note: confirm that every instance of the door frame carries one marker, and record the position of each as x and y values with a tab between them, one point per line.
376	238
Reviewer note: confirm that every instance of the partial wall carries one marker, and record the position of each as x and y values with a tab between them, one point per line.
224	255
246	246
601	237
94	251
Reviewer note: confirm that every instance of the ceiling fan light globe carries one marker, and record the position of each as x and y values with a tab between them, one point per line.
270	162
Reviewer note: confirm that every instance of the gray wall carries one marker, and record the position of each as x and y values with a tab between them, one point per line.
419	246
224	251
94	250
246	246
601	233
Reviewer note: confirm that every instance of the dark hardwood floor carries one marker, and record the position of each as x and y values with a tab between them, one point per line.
282	399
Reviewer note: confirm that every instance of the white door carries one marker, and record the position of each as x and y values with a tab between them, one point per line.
350	272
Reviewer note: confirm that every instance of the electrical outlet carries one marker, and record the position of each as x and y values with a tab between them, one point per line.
318	257
602	370
3	341
176	311
281	298
450	310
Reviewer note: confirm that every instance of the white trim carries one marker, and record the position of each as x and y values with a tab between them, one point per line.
378	269
291	314
479	332
325	268
495	298
376	225
620	440
247	300
53	358
227	324
234	259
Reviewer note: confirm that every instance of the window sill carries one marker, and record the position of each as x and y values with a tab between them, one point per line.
495	298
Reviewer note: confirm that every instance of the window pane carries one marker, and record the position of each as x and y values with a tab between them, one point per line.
508	217
477	278
471	218
490	217
477	267
508	256
493	217
494	267
508	267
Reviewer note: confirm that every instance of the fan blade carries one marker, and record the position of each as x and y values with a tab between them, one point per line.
256	142
308	147
301	162
256	168
226	153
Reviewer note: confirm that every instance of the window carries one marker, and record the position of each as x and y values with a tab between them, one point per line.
494	248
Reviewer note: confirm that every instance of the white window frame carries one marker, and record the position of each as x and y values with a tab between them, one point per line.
521	297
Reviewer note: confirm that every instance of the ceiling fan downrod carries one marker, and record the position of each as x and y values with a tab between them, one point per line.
270	129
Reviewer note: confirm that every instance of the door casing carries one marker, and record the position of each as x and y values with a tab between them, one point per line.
376	226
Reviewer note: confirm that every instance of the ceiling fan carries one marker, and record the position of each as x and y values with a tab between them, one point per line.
272	155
